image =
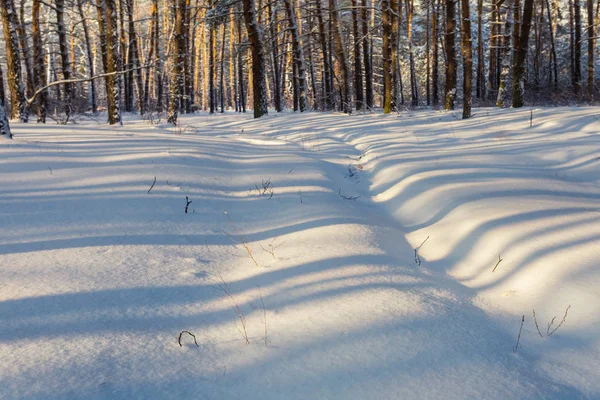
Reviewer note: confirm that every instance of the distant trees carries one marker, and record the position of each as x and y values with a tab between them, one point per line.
62	57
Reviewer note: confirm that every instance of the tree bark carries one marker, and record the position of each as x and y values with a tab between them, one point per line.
521	46
39	66
591	48
259	90
358	86
18	103
177	69
367	61
467	50
298	55
386	18
341	55
450	44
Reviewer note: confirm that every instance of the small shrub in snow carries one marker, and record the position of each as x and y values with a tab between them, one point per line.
264	190
549	330
272	247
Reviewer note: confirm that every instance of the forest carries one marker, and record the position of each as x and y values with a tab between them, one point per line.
65	57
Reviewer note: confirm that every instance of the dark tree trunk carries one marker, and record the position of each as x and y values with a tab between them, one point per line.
39	66
177	69
521	54
259	90
467	50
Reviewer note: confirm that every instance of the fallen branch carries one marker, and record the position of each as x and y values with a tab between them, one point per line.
153	183
189	333
536	324
498	263
187	204
559	325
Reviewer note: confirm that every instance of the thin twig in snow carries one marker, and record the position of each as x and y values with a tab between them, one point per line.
498	263
153	183
519	336
536	324
561	322
417	257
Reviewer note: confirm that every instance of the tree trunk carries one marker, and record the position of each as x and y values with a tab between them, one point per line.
25	49
276	74
328	100
259	90
591	48
177	69
553	58
467	50
134	56
358	86
414	90
386	18
577	44
298	54
18	102
521	54
342	56
367	61
4	125
435	101
480	87
502	98
495	32
39	66
450	54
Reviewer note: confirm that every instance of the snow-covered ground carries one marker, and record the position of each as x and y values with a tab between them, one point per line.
310	222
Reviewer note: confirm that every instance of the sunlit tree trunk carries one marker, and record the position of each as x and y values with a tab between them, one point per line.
18	102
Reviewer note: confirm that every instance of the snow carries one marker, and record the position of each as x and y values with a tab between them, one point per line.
98	277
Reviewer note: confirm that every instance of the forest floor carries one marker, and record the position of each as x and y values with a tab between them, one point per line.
362	257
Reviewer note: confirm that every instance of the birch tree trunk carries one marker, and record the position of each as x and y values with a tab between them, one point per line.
502	98
298	55
435	100
450	54
107	23
387	56
367	61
